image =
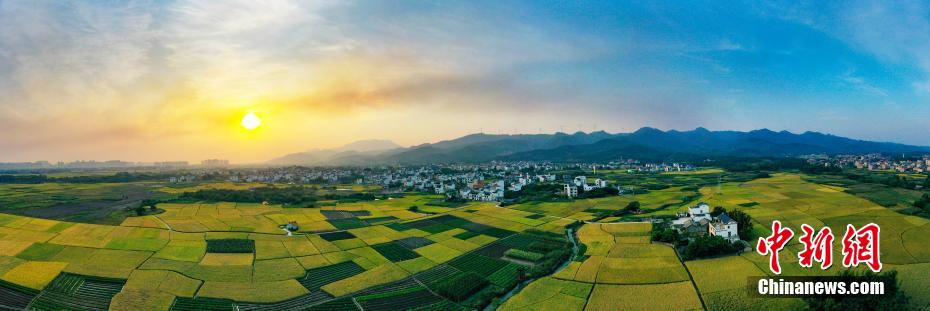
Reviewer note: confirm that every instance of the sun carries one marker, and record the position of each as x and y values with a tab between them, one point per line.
251	121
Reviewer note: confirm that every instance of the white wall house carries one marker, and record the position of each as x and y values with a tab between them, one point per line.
724	227
700	211
699	222
571	191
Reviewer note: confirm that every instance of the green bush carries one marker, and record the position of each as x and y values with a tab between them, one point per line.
460	286
525	255
230	246
708	246
667	235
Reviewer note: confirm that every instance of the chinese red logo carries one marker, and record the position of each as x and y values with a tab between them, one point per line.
816	248
773	244
861	246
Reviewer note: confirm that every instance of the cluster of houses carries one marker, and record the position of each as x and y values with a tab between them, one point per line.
633	165
581	182
873	162
698	221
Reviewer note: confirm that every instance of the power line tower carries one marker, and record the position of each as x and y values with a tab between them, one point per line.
719	184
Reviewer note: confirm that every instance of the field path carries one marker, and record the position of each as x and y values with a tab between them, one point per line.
163	222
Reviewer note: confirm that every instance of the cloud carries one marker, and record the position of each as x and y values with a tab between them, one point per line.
922	87
895	32
727	45
861	84
88	69
64	53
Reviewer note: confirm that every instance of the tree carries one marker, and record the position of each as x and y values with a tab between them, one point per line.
413	208
667	235
893	299
707	246
140	210
717	211
632	207
923	203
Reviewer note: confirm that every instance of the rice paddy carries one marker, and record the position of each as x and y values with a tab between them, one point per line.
370	253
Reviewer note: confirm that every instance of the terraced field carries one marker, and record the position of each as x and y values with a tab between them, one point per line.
621	269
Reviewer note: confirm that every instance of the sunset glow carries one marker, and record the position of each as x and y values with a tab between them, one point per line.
164	80
251	121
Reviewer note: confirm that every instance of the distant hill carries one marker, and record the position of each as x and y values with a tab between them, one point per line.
358	152
486	147
646	144
650	143
369	145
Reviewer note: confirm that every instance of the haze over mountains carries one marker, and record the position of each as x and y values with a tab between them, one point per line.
644	144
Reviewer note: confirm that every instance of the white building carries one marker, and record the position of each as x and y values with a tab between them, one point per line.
724	227
700	211
571	191
698	221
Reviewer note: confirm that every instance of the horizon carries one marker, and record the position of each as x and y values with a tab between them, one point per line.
251	81
265	161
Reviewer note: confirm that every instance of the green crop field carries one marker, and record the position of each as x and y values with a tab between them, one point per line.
378	254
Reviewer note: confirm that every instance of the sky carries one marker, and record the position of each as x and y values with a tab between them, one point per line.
171	80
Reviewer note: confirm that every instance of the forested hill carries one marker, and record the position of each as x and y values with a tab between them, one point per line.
645	143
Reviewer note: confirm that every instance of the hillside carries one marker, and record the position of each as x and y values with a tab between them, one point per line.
645	143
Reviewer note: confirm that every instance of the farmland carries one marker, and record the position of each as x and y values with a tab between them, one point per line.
379	255
196	256
618	263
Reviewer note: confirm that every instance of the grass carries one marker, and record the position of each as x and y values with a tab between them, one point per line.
270	250
459	286
523	255
136	299
277	270
224	259
671	296
183	250
34	274
395	252
203	304
506	276
482	265
640	270
318	277
438	252
721	274
550	294
382	274
253	291
416	265
231	246
165	281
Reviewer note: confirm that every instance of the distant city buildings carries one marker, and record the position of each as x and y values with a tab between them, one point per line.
214	163
873	162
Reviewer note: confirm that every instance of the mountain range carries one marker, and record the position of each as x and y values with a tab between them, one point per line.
644	144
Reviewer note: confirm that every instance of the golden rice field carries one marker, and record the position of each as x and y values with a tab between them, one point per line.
163	257
619	267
